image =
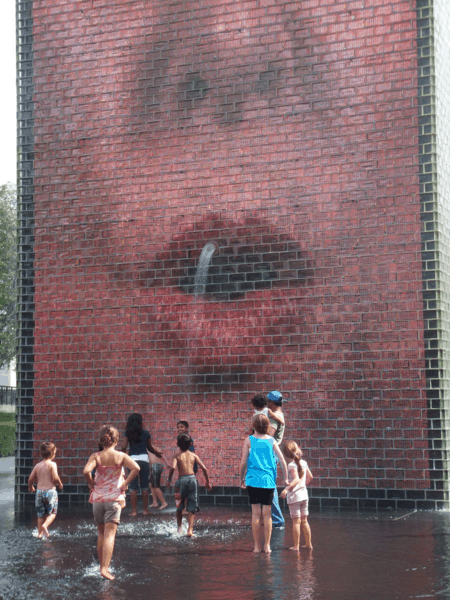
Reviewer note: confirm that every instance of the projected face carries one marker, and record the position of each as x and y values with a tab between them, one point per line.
219	155
233	137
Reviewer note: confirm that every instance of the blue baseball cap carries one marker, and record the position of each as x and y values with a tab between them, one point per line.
275	397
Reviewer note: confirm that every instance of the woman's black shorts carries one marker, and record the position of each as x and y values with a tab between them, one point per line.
262	496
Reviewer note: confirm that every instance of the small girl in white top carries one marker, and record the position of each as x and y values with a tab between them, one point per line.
297	494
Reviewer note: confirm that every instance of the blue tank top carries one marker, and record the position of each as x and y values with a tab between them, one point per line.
261	463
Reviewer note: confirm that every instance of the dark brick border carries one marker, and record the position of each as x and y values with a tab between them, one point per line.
319	499
340	499
25	192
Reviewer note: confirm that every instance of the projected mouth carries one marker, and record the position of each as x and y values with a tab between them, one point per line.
227	296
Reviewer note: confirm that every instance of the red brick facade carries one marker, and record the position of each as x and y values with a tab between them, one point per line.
287	134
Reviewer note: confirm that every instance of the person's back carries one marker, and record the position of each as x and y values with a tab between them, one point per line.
45	475
185	463
45	471
108	477
262	465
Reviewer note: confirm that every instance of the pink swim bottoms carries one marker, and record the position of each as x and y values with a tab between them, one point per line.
299	509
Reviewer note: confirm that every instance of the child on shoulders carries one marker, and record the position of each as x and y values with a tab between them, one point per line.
260	404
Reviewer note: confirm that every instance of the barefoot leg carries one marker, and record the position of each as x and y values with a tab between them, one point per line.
161	498
145	495
296	533
40	522
307	533
100	535
256	524
46	524
179	520
109	537
267	516
133	500
154	503
190	531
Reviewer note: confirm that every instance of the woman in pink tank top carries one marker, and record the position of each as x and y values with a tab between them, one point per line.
108	492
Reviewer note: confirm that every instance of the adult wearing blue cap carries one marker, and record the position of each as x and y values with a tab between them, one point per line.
277	425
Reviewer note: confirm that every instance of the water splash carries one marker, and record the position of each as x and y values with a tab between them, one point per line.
201	274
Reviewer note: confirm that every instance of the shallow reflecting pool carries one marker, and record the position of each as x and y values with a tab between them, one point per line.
366	556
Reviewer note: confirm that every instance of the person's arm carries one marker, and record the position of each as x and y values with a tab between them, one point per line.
31	479
205	472
87	471
166	462
134	470
295	479
278	417
280	456
152	449
309	476
54	475
173	466
243	465
124	446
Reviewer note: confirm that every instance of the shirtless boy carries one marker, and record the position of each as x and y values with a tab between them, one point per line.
45	474
186	487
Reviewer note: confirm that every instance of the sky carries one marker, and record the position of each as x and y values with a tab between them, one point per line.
8	92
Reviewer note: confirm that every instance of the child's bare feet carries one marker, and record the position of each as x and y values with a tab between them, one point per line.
179	530
45	533
308	547
163	506
296	548
133	514
153	506
145	512
106	574
267	550
189	533
256	550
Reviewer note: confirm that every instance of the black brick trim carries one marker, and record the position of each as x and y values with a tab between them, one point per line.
25	193
319	499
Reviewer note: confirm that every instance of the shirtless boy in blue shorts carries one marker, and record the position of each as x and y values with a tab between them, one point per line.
186	488
45	474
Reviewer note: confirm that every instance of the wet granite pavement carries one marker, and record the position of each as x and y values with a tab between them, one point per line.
356	556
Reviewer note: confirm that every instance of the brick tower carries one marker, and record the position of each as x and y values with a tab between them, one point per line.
218	199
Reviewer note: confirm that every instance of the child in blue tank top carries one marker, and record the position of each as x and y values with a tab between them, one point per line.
258	475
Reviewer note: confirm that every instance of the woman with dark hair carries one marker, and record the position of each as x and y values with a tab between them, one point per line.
139	440
258	474
108	492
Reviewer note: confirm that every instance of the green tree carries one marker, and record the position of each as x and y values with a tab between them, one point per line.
8	274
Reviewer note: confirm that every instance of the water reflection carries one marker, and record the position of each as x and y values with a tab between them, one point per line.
365	557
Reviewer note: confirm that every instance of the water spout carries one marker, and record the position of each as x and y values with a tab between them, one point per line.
201	274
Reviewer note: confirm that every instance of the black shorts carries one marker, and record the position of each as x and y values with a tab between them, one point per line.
262	496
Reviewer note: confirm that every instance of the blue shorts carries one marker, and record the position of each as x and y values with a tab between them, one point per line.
46	503
141	481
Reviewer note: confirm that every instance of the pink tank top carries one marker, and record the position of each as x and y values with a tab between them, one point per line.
107	484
